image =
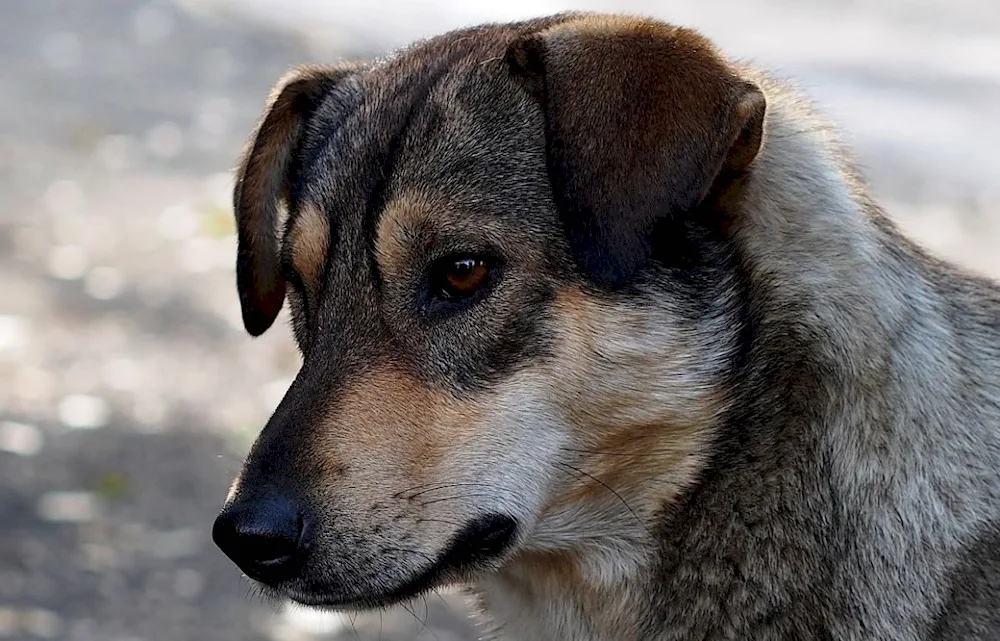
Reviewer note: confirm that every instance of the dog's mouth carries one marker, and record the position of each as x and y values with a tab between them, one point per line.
476	547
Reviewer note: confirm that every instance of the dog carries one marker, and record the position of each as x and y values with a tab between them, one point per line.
605	327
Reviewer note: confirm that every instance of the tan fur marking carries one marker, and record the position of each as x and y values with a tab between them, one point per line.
390	414
389	405
415	221
612	387
630	457
560	567
310	239
394	239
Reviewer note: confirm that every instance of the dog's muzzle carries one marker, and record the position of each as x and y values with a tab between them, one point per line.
274	541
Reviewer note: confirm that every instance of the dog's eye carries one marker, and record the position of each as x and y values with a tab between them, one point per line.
458	277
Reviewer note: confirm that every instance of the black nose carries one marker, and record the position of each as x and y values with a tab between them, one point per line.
261	536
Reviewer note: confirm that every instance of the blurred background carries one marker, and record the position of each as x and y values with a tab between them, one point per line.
128	389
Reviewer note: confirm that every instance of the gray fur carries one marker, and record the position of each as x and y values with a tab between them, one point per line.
806	406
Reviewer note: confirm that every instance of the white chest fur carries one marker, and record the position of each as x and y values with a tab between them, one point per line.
552	600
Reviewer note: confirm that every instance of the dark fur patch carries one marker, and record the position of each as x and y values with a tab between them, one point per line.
617	161
263	180
970	611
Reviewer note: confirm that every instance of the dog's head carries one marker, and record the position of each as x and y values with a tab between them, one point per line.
506	260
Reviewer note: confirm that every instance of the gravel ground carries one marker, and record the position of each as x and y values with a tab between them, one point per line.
128	390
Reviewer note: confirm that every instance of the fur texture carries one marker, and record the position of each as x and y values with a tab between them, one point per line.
715	391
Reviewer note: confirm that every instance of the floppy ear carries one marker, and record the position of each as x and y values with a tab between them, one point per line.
642	120
262	182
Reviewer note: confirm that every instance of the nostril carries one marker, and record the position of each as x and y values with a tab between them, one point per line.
261	537
267	548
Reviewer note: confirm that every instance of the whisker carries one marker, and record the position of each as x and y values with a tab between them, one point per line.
609	489
427	614
446	522
229	459
411	613
412	551
459	496
604	453
264	595
442	599
422	622
444	486
649	452
400	493
447	606
353	617
427	610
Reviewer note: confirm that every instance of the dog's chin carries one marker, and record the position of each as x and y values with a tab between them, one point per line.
481	546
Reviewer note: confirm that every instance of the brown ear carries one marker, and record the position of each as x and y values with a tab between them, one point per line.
262	181
642	119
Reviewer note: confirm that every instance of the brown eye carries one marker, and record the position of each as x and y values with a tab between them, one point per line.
462	277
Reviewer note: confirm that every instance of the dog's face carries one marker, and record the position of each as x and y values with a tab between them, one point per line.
509	282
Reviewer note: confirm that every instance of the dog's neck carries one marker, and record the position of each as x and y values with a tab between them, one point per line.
684	563
592	571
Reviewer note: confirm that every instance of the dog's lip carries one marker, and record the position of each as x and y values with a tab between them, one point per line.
483	539
433	577
424	582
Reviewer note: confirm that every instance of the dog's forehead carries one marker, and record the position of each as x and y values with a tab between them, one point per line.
380	101
443	116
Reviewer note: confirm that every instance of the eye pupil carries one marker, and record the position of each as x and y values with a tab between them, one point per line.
461	277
